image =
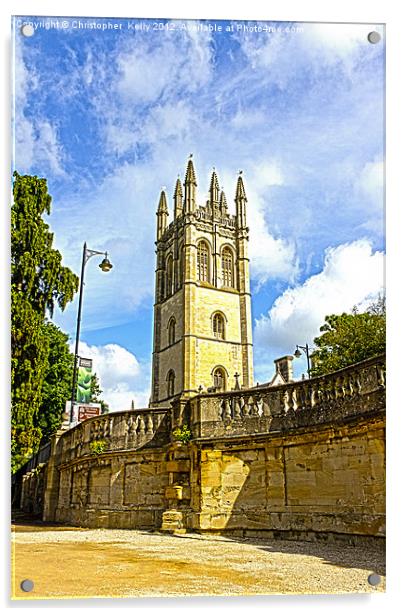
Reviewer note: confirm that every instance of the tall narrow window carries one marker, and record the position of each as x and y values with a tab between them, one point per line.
182	265
170	383
219	379
169	276
227	267
218	326
203	261
172	331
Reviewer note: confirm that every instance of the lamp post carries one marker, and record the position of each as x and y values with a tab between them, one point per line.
105	266
305	349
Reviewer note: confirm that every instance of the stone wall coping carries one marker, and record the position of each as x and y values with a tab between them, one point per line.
155	411
294	432
313	381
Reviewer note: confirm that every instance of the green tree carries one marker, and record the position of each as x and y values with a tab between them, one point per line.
96	393
349	338
57	380
39	281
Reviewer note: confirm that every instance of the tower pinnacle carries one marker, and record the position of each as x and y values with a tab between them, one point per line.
223	206
162	215
190	184
178	198
241	200
214	190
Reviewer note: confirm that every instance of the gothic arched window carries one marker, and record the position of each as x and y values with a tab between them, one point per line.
182	265
172	330
203	261
227	267
170	383
219	379
169	276
218	326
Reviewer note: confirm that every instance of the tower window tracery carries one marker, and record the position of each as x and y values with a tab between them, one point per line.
218	326
227	267
203	262
219	379
169	276
182	265
170	383
172	331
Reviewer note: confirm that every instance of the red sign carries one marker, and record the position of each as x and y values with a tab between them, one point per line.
85	412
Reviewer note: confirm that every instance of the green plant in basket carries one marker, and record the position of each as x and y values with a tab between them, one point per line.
182	434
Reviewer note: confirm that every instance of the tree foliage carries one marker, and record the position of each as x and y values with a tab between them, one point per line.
349	338
96	393
39	282
57	380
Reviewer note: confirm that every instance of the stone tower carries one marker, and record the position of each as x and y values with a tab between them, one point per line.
202	311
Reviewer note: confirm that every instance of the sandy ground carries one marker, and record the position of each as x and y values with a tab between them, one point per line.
65	562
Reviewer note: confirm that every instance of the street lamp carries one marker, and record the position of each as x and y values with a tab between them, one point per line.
105	266
305	349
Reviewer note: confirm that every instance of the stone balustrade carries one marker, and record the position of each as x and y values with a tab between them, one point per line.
301	458
352	391
121	431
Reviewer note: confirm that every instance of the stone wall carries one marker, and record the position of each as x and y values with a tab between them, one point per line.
300	460
121	490
328	480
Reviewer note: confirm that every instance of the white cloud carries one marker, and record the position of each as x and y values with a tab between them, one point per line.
316	46
247	118
371	184
35	139
271	257
353	274
369	193
122	378
339	40
151	87
47	146
267	173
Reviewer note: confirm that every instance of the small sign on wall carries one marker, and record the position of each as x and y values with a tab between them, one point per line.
86	411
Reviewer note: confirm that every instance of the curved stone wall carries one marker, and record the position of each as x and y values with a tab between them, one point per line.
297	460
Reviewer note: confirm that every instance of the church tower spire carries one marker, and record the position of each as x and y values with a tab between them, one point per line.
190	184
178	199
241	200
162	215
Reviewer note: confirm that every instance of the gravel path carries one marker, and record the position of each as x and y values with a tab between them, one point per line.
66	562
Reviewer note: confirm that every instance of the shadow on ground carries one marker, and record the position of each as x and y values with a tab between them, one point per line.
360	556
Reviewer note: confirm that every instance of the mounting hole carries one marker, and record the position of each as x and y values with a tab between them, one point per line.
27	585
374	579
374	37
28	30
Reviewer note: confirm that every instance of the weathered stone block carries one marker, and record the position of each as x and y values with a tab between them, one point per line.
172	520
174	492
178	466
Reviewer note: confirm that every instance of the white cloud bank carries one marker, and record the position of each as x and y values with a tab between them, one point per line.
35	139
353	274
121	376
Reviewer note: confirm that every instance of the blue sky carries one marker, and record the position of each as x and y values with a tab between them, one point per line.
109	117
